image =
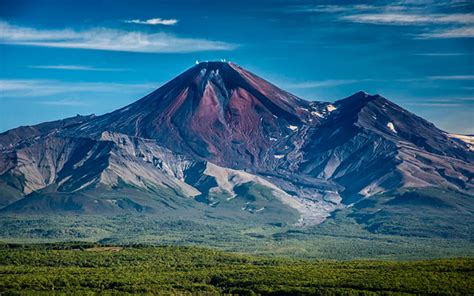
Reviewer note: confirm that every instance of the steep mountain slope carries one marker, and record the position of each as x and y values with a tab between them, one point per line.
369	145
23	134
117	174
215	111
219	140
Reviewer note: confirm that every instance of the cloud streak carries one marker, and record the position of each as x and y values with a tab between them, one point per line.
65	103
441	54
452	77
463	32
321	83
42	88
436	24
435	104
107	39
442	26
75	68
443	102
154	21
410	19
338	82
332	8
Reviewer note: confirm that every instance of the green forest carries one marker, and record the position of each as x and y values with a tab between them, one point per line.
87	268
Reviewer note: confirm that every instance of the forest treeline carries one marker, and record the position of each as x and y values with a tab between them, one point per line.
90	268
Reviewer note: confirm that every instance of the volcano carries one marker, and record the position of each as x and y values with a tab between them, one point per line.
220	140
215	111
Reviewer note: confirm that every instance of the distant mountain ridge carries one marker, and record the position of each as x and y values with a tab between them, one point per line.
219	139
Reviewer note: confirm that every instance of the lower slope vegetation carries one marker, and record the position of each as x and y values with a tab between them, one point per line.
88	268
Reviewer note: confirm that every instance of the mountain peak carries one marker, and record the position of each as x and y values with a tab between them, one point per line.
212	64
216	111
357	98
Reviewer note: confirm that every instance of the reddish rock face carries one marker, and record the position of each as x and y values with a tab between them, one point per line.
215	111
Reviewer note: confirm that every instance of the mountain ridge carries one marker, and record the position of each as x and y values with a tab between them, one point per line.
277	152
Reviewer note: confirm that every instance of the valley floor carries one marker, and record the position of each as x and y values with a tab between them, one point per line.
336	239
97	269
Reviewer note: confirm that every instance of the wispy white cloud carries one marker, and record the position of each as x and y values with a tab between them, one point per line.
450	99
443	102
463	32
454	25
154	21
321	83
422	13
452	77
42	88
326	83
64	102
348	8
469	99
410	18
338	82
441	54
75	68
332	8
107	39
435	104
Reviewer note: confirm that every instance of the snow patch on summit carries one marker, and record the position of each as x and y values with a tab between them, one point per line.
293	127
391	127
315	113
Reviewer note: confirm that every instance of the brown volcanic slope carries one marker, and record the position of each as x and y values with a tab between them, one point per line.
215	111
216	127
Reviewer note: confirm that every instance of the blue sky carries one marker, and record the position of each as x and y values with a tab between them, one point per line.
62	58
